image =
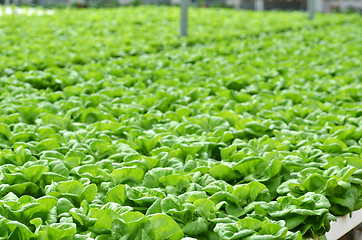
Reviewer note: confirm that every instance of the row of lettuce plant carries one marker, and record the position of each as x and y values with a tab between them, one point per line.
252	133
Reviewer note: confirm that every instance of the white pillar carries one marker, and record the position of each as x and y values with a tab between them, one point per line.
319	6
259	5
311	9
42	3
184	5
238	4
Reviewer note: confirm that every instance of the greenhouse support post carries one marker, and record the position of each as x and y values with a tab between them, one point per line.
259	5
311	9
184	6
42	3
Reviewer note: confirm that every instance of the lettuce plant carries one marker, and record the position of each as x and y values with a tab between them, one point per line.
111	127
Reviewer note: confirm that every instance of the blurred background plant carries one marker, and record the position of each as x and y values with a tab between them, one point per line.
321	5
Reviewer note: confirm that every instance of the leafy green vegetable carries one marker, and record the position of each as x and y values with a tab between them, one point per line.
250	128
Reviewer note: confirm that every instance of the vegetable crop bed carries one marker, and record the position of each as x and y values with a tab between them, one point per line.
112	127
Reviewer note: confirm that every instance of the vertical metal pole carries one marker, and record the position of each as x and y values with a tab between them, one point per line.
184	5
238	4
311	8
42	3
259	5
